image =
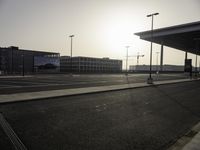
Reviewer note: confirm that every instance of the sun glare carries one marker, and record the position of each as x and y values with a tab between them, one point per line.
117	34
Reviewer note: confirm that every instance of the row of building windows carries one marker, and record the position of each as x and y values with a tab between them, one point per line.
94	62
81	64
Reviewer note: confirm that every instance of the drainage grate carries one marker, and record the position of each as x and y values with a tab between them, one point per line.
11	134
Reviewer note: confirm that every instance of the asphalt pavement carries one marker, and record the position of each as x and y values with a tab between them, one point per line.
61	81
5	143
150	118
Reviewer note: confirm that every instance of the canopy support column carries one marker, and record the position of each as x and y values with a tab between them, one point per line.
161	57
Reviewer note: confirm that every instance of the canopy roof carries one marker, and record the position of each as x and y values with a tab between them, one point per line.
185	37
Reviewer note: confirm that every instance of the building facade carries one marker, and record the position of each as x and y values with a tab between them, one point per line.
143	68
90	65
15	61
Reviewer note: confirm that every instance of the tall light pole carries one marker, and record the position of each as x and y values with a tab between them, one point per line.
127	59
150	80
71	37
157	53
23	63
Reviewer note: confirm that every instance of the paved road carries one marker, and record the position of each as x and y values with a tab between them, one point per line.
53	82
148	118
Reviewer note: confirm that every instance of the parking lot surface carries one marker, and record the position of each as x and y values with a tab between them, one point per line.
150	118
59	81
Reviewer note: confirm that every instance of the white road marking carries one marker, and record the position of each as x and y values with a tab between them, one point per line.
17	143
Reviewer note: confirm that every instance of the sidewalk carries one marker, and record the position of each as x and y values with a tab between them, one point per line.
194	144
5	98
190	141
15	76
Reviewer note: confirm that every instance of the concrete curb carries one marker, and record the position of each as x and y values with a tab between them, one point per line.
190	141
10	77
79	91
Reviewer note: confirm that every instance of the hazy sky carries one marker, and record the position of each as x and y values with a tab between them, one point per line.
102	28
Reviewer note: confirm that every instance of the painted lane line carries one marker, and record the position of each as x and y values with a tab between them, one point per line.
11	134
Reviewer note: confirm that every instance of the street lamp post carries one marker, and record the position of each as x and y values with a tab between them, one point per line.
71	37
22	63
127	59
150	80
196	65
157	53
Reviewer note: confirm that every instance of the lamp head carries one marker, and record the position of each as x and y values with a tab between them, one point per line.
71	36
154	14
